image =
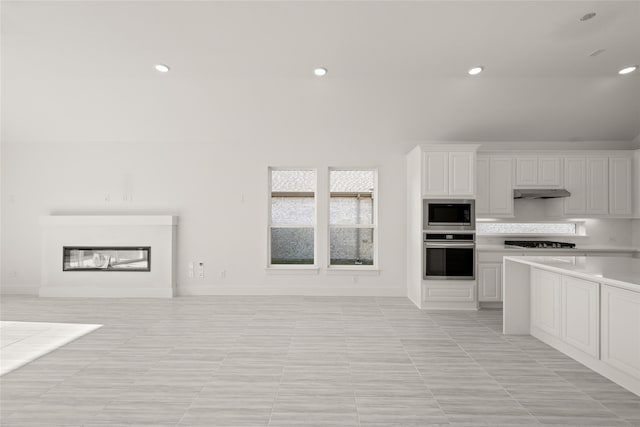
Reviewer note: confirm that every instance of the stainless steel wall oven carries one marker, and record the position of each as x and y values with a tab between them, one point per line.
449	256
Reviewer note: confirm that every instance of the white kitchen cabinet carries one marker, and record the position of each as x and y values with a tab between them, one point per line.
483	188
620	186
599	185
435	173
501	186
587	179
538	171
490	282
462	174
494	186
620	329
545	301
579	313
449	174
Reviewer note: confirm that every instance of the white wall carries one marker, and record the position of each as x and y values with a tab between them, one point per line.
218	188
220	193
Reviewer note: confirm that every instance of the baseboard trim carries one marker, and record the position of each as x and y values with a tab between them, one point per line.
93	292
31	290
194	290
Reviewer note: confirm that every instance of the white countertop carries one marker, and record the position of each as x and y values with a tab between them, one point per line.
542	251
616	271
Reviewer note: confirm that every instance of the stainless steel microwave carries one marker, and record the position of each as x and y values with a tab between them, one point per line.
448	214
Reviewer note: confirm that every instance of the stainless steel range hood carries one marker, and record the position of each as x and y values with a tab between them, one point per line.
540	193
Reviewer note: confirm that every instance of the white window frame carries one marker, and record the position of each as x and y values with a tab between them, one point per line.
373	225
313	266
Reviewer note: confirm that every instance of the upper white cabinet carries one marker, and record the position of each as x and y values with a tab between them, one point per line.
494	186
435	173
599	185
448	173
538	171
587	179
462	174
621	186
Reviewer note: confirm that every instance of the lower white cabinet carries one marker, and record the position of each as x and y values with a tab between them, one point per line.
579	314
620	340
490	282
594	323
545	301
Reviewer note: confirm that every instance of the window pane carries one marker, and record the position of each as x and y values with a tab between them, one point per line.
351	200
351	246
292	210
351	210
526	228
293	181
346	181
292	246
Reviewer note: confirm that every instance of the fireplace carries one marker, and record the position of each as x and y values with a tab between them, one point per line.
89	247
106	258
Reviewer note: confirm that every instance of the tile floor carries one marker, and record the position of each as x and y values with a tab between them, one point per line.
297	361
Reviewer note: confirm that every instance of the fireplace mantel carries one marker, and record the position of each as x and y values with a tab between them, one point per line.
80	220
157	232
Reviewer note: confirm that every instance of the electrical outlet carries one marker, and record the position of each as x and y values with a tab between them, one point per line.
201	270
191	268
223	273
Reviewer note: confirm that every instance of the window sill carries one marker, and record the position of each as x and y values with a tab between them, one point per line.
367	270
293	269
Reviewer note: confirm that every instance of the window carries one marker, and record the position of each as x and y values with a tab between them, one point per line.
292	225
535	228
352	217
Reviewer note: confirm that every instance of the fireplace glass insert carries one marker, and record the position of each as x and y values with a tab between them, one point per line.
106	258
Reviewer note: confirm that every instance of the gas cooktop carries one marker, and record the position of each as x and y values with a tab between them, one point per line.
538	244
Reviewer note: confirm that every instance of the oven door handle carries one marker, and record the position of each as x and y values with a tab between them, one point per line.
449	244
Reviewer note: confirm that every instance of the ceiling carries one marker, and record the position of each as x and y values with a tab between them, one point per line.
83	71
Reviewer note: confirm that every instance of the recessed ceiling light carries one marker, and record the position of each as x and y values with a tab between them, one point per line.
588	16
475	70
628	70
320	71
162	68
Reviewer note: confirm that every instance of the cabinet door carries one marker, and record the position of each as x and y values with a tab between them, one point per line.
597	186
575	180
580	314
545	301
501	186
490	282
549	171
526	171
620	340
482	186
462	174
620	184
435	173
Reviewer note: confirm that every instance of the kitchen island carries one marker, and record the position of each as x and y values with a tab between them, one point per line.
586	307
